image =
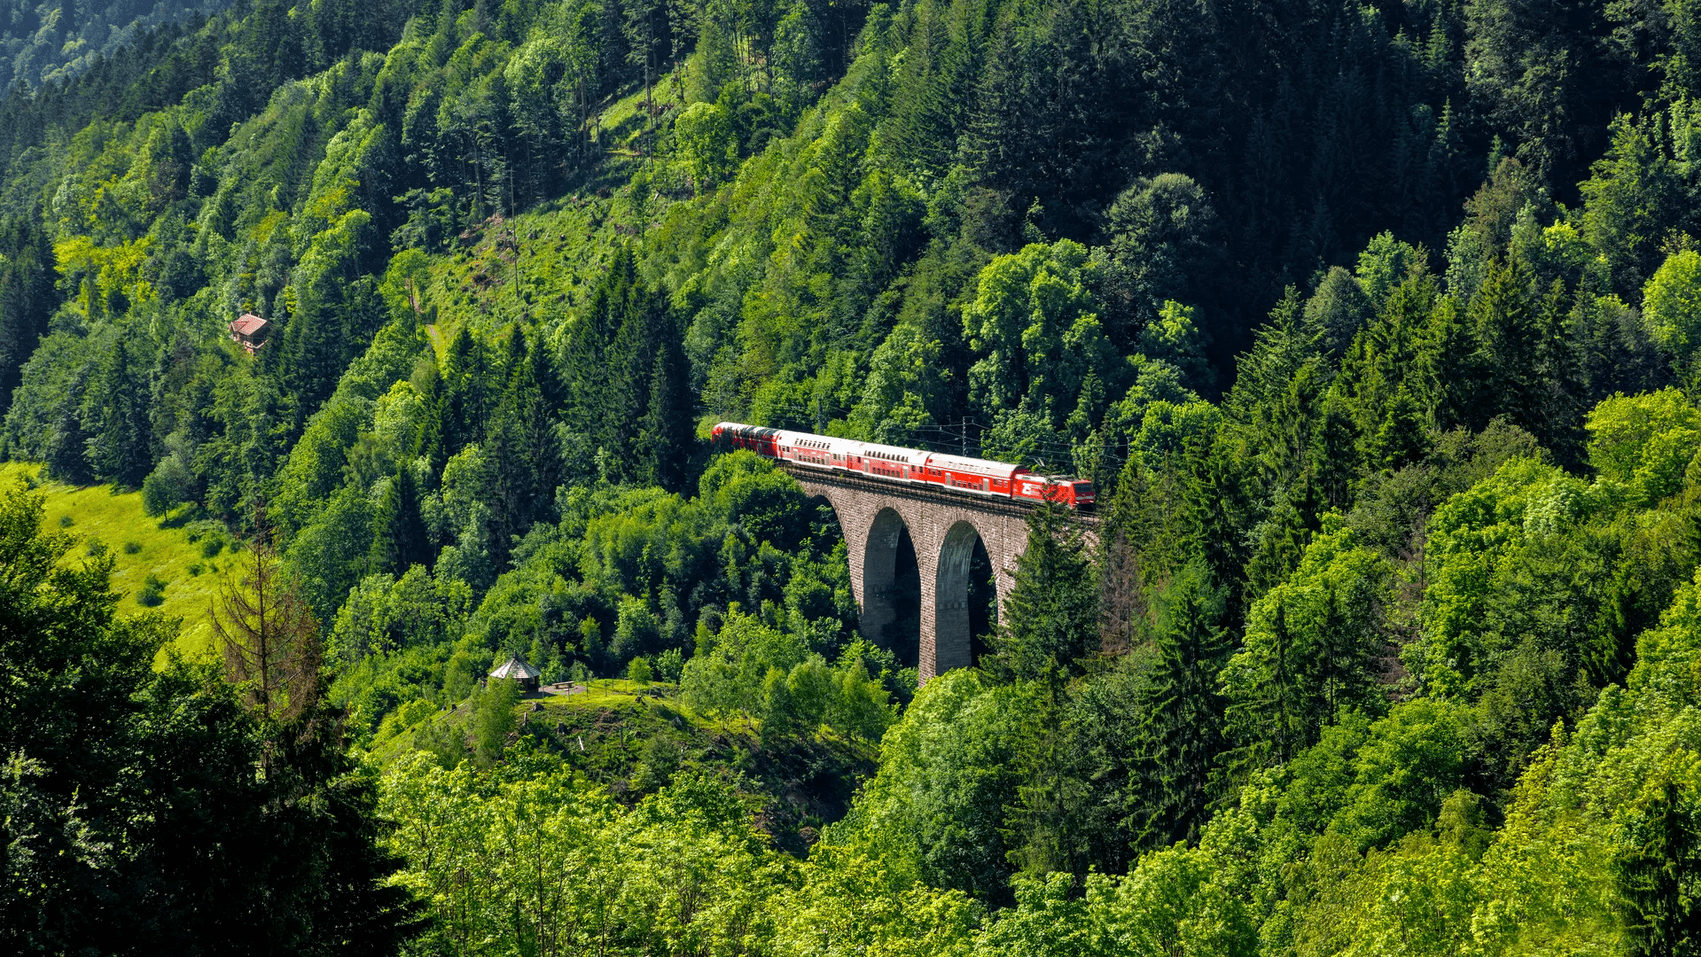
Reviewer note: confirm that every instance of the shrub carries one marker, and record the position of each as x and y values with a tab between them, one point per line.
639	670
131	548
152	594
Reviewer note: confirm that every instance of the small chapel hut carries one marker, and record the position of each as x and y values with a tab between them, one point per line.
517	669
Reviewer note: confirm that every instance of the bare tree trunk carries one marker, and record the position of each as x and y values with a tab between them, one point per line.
1123	615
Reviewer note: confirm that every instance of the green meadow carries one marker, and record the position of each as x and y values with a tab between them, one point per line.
184	559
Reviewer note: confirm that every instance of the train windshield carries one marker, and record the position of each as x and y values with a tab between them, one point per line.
1083	490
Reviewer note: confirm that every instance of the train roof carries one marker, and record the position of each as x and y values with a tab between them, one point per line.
890	453
1003	471
915	458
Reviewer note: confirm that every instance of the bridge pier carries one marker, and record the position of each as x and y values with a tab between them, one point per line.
943	528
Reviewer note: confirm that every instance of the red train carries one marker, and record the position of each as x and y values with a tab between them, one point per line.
954	472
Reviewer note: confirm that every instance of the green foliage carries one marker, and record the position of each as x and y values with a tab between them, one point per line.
1645	442
80	860
493	718
1659	864
1405	652
1051	615
152	594
1034	322
706	142
546	852
1671	304
1311	649
937	809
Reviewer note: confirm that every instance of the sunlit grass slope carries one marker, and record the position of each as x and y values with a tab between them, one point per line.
538	267
187	560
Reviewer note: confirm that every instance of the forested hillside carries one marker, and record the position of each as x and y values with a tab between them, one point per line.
1376	326
53	42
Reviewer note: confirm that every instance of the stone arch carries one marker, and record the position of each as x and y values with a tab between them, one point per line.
962	590
891	579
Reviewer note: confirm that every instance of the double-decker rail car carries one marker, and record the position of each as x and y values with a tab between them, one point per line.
956	473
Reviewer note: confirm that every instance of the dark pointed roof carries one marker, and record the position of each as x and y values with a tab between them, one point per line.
516	668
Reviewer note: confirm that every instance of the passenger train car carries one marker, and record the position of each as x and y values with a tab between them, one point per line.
954	472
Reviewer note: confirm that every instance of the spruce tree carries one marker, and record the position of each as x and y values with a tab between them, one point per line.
1559	369
1182	709
465	399
664	436
1218	506
632	363
1050	620
1268	725
511	488
1659	872
587	374
116	417
1503	315
26	297
400	539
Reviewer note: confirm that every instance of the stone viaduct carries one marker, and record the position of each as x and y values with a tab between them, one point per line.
944	528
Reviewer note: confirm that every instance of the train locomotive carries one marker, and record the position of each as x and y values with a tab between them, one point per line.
954	473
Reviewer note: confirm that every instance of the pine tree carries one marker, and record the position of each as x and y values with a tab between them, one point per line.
400	539
664	436
267	635
116	418
1051	617
1183	709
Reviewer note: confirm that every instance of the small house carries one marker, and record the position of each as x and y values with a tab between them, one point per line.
250	332
517	669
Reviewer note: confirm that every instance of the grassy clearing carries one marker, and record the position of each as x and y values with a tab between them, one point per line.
535	268
101	517
538	267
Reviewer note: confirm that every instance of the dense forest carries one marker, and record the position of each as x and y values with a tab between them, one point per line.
1378	328
51	42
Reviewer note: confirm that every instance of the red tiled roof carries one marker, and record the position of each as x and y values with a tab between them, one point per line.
247	325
